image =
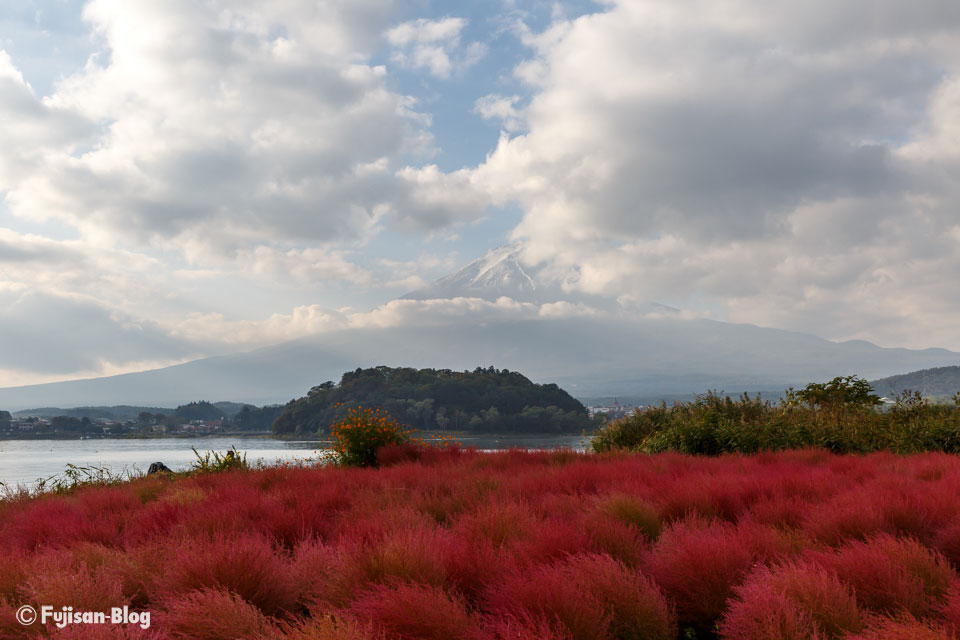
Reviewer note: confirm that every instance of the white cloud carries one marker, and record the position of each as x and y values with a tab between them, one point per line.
502	108
32	128
213	328
433	45
313	319
305	265
52	335
217	127
794	164
408	283
434	200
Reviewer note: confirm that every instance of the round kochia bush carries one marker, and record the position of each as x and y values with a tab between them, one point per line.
357	436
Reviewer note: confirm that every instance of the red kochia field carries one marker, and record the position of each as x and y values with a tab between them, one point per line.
508	545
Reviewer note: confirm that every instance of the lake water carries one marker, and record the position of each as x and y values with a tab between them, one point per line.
25	461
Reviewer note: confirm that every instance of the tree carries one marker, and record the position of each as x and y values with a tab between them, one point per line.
254	418
66	423
202	410
841	391
835	398
491	419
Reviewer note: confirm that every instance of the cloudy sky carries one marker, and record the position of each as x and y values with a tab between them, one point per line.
182	178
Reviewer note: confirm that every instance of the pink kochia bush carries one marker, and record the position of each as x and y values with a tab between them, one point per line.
496	546
582	597
698	562
793	600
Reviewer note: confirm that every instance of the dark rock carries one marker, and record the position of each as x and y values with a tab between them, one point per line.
158	467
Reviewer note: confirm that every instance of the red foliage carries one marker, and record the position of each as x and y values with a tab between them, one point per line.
902	628
10	629
58	522
416	611
512	628
909	508
794	600
319	573
213	614
638	608
246	566
585	596
11	572
632	511
328	627
508	545
392	454
413	555
500	523
947	542
697	563
614	538
551	540
471	566
779	510
950	609
59	578
705	495
156	520
890	574
105	632
852	515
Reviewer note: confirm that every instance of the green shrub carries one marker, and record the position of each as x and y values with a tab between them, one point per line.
211	461
841	416
357	436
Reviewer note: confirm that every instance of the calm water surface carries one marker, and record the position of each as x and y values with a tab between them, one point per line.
25	461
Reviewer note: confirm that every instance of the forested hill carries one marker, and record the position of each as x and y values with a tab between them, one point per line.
940	383
482	401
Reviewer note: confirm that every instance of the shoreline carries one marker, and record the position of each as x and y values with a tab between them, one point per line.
266	435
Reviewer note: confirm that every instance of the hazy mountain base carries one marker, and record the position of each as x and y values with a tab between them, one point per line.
120	412
587	356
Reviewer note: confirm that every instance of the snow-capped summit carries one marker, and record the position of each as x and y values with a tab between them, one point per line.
500	272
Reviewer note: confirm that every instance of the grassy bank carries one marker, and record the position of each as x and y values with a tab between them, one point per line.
841	423
547	545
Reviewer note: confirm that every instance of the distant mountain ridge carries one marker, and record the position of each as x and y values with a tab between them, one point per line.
585	356
940	383
592	347
117	412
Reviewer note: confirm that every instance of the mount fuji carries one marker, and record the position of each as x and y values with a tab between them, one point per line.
497	274
501	273
504	312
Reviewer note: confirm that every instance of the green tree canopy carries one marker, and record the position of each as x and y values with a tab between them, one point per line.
202	410
483	400
842	390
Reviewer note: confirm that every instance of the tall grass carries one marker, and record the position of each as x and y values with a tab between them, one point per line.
714	424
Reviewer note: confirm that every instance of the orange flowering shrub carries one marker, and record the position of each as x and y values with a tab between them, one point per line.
357	436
